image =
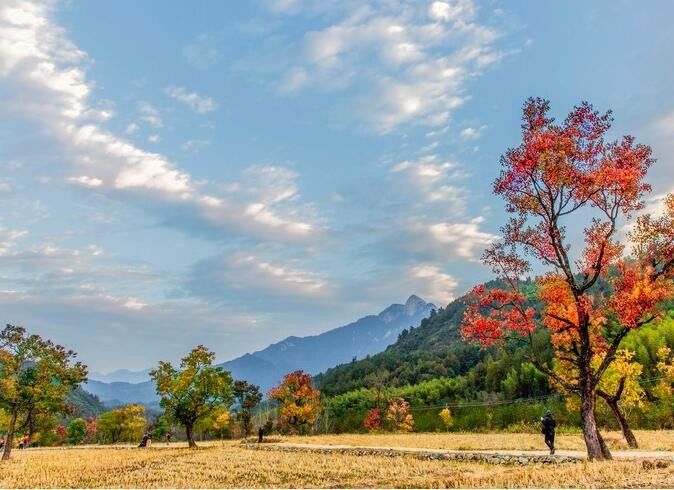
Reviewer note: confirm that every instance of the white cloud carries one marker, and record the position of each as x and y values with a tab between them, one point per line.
154	138
427	167
86	181
43	69
131	128
194	145
249	275
198	103
433	284
149	114
471	133
295	79
9	239
462	240
414	65
462	10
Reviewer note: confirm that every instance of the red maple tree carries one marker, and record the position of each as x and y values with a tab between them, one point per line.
372	421
568	174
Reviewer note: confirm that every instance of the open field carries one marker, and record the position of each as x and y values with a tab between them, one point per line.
229	465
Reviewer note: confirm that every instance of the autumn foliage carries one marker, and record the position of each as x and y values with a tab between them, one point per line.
300	402
372	420
562	181
399	417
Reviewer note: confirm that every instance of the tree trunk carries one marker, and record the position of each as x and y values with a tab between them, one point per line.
596	448
190	437
624	426
9	442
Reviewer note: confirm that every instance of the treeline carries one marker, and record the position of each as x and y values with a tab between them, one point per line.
503	390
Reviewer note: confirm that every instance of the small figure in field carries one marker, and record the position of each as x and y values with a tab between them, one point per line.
548	424
260	434
168	438
24	442
146	440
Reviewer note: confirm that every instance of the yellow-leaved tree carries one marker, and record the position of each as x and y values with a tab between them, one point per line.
447	418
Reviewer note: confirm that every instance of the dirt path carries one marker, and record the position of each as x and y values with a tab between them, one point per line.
492	456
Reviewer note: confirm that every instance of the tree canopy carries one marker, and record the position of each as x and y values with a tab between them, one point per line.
193	391
568	175
36	376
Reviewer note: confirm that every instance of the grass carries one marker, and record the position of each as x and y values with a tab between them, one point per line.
228	465
649	440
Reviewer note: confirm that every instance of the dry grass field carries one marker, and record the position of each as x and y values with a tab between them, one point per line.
662	440
228	465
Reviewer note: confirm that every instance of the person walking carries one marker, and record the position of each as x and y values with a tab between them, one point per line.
260	434
548	424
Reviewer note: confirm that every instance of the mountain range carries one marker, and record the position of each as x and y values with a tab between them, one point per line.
313	354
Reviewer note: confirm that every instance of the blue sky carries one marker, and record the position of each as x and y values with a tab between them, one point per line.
231	173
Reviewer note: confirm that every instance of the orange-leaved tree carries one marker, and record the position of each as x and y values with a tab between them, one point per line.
568	174
399	417
300	402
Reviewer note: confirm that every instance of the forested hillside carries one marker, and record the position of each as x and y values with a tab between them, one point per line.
85	404
432	350
431	366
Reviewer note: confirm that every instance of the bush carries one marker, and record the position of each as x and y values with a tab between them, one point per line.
77	431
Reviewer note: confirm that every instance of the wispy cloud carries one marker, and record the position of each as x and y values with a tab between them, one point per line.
149	114
198	103
204	51
415	63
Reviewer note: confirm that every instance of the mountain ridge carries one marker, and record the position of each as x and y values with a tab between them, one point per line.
313	354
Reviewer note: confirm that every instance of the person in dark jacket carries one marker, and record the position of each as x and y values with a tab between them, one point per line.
260	434
145	440
548	424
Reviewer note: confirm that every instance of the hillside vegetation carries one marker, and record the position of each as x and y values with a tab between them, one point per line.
432	367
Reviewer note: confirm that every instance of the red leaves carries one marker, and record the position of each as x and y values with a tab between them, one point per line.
653	238
600	249
295	385
559	169
637	294
300	402
495	313
372	420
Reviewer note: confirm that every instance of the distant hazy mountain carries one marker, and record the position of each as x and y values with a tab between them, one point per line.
316	353
313	354
120	393
122	375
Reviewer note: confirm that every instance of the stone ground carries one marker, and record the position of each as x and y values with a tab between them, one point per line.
489	456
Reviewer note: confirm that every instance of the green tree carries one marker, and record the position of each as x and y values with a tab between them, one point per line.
247	396
195	390
162	426
36	376
124	424
77	431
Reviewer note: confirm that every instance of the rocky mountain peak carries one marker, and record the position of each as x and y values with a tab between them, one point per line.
415	304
